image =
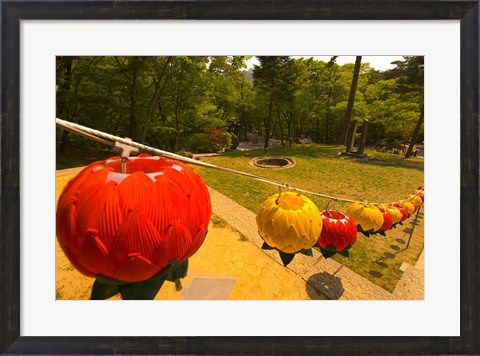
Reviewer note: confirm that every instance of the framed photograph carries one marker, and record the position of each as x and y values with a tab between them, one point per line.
33	320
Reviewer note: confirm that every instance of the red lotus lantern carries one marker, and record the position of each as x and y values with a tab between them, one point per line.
387	221
421	195
403	210
338	235
128	227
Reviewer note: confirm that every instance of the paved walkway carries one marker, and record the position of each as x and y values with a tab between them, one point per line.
256	142
260	274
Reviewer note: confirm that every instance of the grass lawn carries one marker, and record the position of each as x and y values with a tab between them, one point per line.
385	178
77	157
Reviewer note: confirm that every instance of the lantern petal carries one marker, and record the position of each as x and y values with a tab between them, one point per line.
66	225
197	242
136	234
178	241
158	209
88	178
136	268
281	222
177	245
111	218
93	253
89	211
134	192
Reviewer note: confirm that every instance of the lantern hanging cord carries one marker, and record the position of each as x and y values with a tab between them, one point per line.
114	141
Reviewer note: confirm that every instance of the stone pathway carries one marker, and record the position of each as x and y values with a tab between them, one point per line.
256	142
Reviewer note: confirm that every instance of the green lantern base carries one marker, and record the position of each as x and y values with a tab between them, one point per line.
287	257
104	288
330	250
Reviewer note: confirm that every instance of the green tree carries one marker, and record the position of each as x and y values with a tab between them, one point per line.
273	80
411	74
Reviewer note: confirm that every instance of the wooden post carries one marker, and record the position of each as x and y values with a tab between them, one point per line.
363	138
351	135
413	227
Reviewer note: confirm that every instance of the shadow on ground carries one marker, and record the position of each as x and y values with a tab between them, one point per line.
325	283
394	162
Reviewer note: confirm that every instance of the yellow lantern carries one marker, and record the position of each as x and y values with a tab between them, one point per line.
415	199
368	217
411	207
396	214
289	222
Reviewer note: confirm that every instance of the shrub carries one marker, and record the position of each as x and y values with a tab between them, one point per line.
211	141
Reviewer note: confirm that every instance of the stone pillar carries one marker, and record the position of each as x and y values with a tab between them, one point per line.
351	135
363	138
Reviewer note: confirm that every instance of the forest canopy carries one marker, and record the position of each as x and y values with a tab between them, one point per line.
201	104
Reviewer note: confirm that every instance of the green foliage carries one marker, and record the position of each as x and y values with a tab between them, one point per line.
166	101
210	141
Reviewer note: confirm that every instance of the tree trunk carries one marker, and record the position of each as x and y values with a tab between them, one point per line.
415	134
154	101
351	100
281	127
327	116
61	105
317	130
268	123
177	125
244	124
133	100
244	118
289	118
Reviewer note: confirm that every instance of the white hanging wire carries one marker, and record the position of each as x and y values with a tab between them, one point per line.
101	137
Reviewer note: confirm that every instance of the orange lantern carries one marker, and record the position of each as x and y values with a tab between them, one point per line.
130	226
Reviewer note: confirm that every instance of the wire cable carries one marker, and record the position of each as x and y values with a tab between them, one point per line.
110	140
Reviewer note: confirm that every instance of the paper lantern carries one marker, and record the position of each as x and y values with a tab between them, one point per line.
403	210
367	217
396	214
289	223
387	220
421	194
339	231
410	206
130	226
415	198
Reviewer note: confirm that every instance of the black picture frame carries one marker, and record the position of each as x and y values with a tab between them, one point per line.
12	12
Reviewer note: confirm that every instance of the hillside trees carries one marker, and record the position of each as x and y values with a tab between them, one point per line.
176	102
411	74
274	80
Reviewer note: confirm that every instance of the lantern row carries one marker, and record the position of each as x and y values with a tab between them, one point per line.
291	223
101	136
